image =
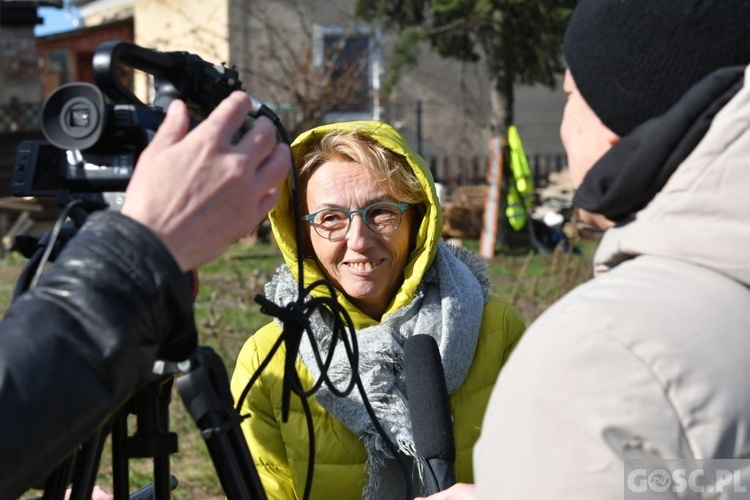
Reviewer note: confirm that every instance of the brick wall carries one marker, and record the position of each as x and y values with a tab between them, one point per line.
20	63
66	57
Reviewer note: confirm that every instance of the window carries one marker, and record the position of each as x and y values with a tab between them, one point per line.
350	60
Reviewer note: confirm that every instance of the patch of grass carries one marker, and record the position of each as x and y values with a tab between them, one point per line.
226	314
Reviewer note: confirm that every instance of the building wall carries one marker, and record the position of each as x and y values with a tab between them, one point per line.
20	63
20	95
174	25
453	98
105	11
197	27
538	113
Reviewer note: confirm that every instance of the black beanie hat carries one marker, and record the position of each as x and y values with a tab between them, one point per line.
633	59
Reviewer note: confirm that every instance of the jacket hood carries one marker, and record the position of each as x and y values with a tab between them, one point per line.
700	214
282	216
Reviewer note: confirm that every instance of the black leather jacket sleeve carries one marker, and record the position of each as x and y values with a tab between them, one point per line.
75	347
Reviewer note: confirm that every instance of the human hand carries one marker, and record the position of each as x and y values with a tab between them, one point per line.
459	491
200	193
97	494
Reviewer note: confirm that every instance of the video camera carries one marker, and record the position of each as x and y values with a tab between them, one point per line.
92	146
95	135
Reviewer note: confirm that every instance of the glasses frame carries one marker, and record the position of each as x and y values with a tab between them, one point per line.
402	207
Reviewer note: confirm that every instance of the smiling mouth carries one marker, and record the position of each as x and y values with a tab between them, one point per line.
364	266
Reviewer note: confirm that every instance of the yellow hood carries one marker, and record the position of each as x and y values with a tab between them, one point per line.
282	217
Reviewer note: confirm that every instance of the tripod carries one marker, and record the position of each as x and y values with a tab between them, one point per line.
204	387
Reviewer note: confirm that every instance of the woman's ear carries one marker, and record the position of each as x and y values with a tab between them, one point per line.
417	214
307	248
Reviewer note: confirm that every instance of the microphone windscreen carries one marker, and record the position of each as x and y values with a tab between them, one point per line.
432	426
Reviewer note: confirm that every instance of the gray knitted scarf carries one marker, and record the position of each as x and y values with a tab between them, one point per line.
448	305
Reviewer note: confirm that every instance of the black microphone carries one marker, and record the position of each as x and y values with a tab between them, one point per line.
431	421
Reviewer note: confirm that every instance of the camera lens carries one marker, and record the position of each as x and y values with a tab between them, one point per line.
80	117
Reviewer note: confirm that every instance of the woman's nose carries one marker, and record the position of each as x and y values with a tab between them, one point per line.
358	231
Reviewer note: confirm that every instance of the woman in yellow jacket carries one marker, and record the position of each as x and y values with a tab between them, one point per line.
372	228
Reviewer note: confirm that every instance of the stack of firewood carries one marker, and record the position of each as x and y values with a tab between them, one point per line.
463	212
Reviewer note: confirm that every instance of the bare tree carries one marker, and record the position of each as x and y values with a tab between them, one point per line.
308	72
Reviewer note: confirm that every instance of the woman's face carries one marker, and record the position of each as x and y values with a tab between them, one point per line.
366	266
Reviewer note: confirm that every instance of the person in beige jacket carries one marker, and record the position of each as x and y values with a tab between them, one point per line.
633	382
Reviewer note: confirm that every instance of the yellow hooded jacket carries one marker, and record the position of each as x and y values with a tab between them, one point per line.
280	450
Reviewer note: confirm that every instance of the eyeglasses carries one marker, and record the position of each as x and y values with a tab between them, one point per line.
333	223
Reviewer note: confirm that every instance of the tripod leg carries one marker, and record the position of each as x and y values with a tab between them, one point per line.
162	483
57	482
80	470
150	440
154	420
87	464
120	470
204	389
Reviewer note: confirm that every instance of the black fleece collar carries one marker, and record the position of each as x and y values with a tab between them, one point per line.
628	177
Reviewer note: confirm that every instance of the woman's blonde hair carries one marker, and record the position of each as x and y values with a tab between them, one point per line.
386	167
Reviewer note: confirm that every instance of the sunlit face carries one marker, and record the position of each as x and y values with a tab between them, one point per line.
585	138
366	266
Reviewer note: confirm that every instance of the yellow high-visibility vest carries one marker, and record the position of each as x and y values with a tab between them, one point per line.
521	186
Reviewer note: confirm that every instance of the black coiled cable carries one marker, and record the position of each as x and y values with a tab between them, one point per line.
295	317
